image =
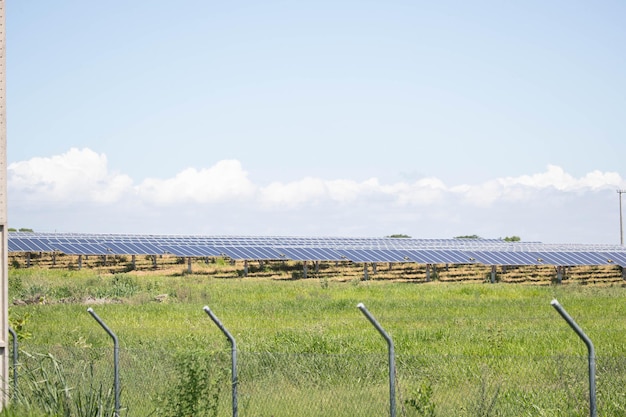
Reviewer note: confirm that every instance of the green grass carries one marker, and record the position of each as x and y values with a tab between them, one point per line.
306	350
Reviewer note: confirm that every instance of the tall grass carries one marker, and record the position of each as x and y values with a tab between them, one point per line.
47	388
306	350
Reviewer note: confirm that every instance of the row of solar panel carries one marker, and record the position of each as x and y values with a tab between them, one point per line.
255	241
334	249
288	241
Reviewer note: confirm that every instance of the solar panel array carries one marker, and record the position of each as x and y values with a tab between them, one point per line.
360	250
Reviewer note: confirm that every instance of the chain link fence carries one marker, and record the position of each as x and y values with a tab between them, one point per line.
168	382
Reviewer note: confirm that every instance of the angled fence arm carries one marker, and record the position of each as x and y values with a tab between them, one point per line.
593	412
233	346
116	360
392	360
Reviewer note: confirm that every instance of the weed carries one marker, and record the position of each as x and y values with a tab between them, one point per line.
18	324
16	286
422	400
324	282
196	391
483	405
122	285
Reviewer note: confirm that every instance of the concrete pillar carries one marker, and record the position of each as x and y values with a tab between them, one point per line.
4	233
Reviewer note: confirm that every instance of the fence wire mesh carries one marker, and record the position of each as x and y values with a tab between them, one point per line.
162	382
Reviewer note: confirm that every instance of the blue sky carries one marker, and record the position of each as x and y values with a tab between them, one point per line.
433	119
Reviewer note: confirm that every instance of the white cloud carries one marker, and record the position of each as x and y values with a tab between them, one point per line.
224	181
422	192
315	191
77	175
528	187
83	176
555	177
80	184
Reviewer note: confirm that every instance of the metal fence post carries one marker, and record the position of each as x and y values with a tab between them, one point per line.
593	412
15	359
233	346
116	360
392	360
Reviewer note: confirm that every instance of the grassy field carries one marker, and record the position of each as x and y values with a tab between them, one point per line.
304	349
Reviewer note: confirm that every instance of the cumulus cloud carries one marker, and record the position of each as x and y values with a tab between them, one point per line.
222	182
72	189
555	177
528	187
82	175
314	191
75	176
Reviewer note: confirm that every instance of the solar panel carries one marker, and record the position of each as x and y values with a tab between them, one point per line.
502	257
191	250
444	256
32	244
80	248
249	252
615	258
566	258
372	255
306	253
